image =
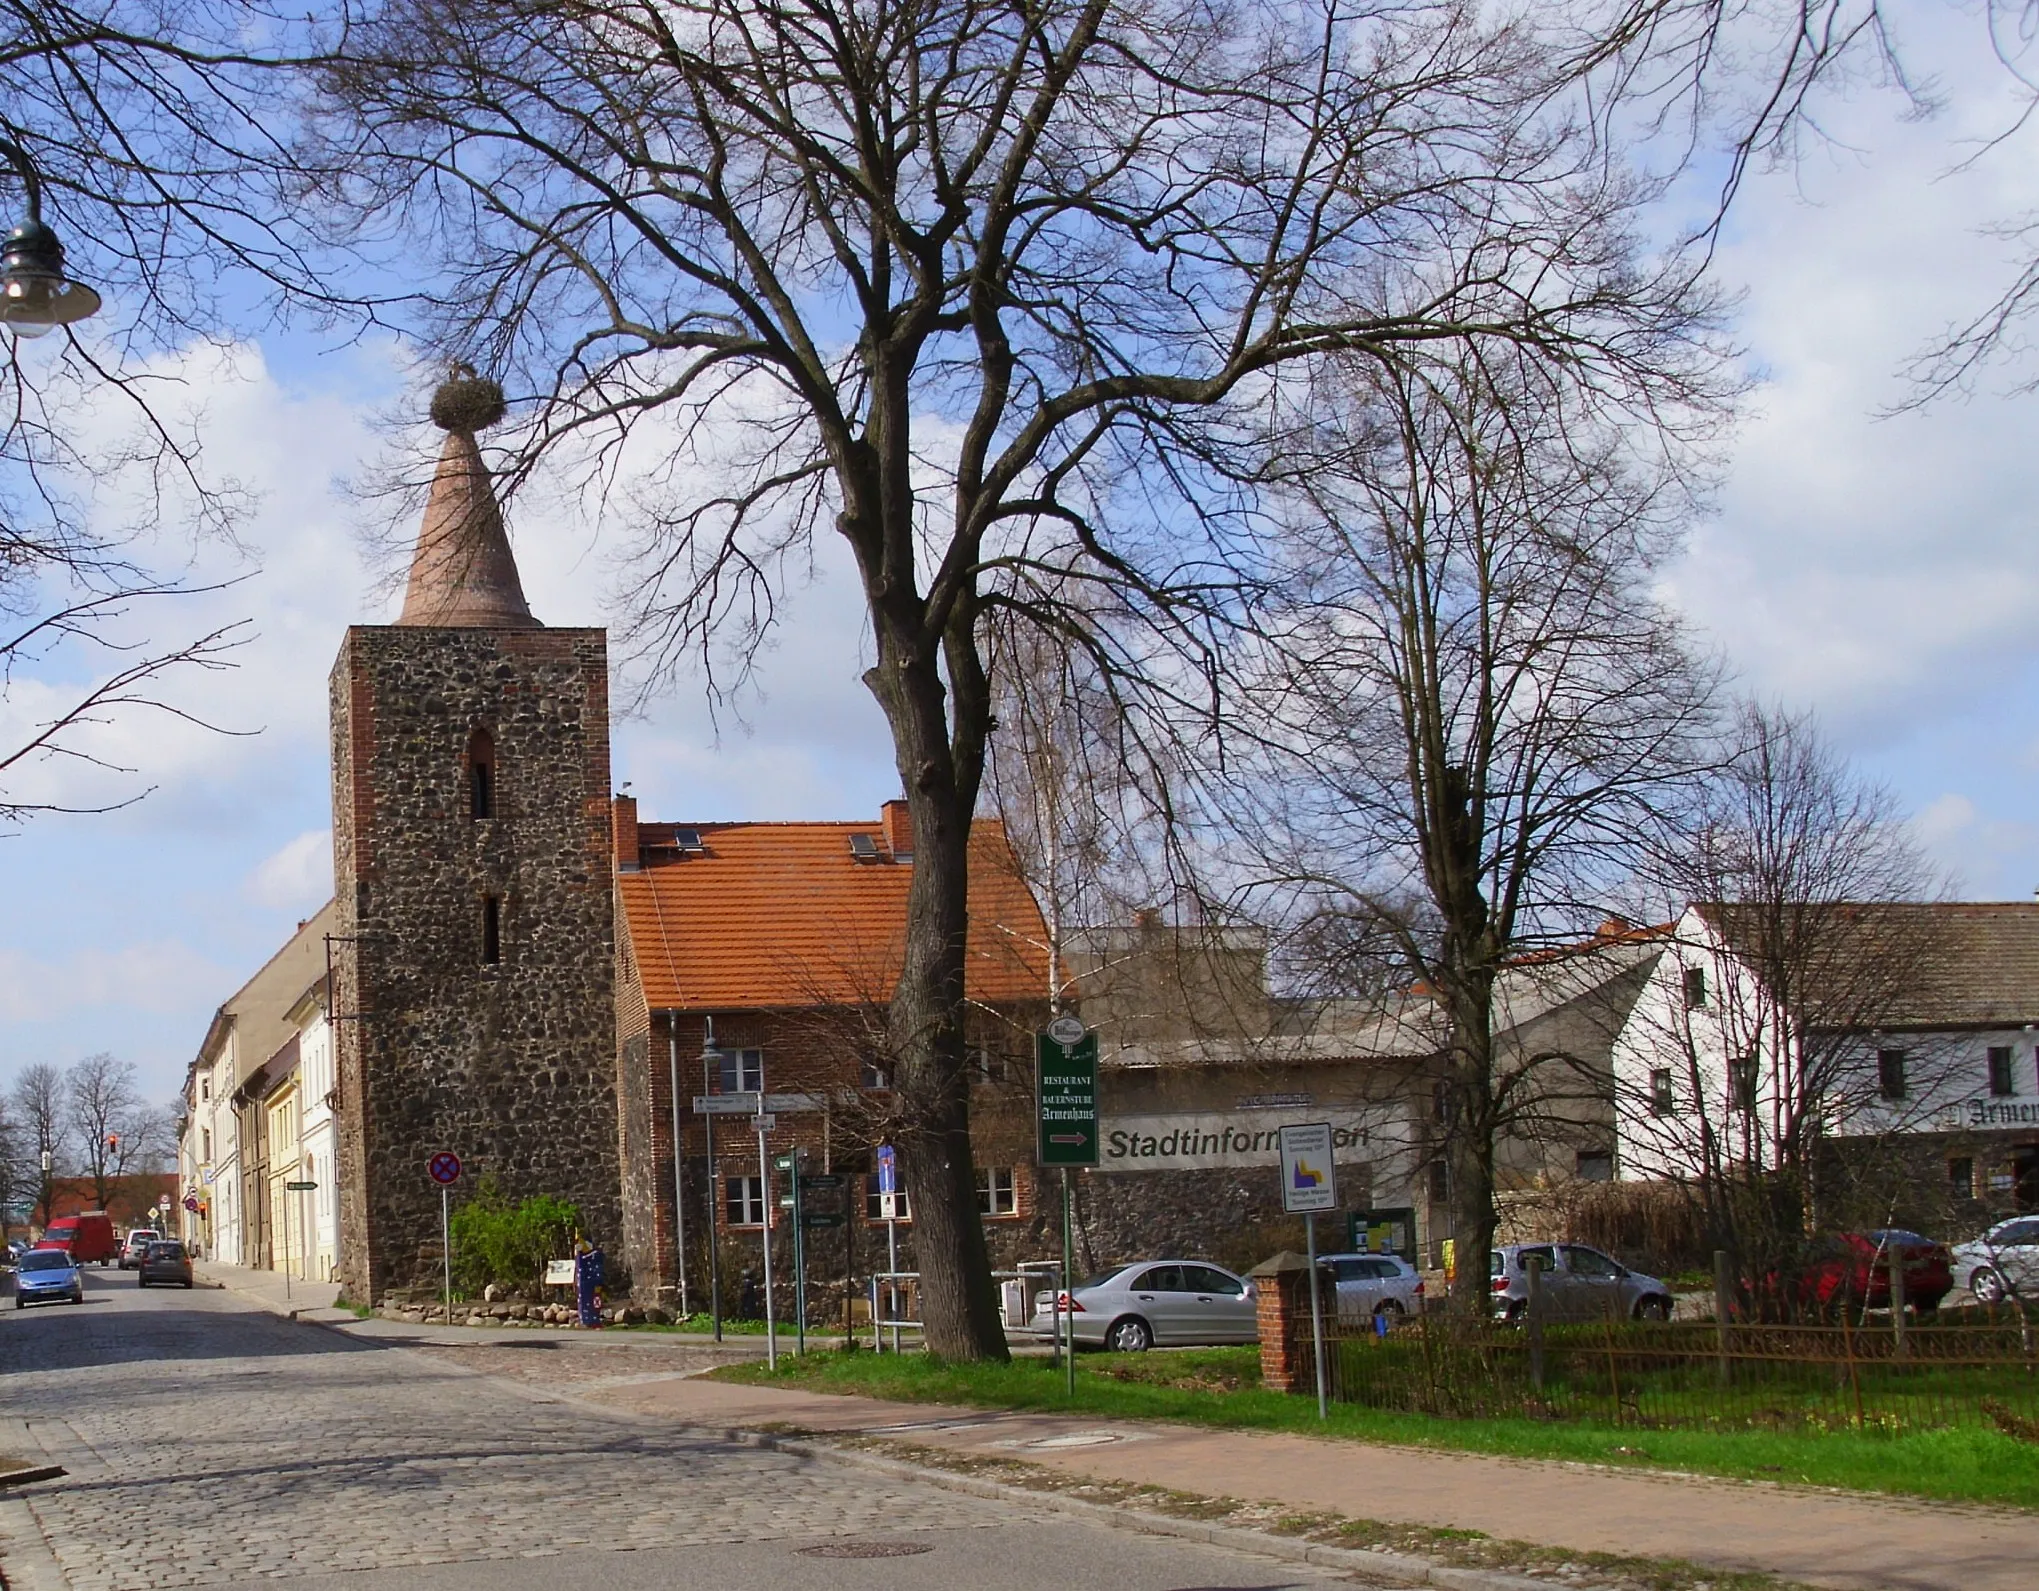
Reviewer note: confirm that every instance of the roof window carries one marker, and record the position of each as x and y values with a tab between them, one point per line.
864	847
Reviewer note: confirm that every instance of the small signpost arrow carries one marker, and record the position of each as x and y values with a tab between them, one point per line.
1309	1184
444	1169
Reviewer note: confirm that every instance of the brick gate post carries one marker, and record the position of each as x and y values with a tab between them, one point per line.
1282	1308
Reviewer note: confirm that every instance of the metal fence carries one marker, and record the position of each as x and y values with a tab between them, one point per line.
1978	1370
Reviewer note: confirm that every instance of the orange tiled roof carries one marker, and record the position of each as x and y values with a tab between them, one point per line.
779	915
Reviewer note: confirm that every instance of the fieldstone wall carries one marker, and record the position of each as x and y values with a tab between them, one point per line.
510	1065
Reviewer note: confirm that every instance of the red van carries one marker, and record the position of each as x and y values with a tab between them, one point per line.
87	1237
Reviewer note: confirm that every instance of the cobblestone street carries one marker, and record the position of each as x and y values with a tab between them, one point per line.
209	1442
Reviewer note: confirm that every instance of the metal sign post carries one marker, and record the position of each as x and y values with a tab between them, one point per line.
679	1168
303	1223
793	1200
1065	1119
763	1124
444	1169
888	1207
1309	1185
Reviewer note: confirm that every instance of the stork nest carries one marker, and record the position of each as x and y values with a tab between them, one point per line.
467	402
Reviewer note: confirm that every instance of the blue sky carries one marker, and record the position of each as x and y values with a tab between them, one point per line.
1881	571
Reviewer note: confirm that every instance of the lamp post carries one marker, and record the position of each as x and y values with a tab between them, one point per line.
36	296
48	1165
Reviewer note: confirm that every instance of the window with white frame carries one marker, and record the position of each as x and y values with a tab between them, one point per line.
2001	1082
1663	1092
743	1071
1695	988
997	1191
1890	1074
745	1200
876	1074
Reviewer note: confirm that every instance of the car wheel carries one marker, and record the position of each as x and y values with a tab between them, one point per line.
1653	1309
1988	1286
1130	1335
1390	1307
187	1287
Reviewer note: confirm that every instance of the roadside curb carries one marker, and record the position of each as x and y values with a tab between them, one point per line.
1386	1568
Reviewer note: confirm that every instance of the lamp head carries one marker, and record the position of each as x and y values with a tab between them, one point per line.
35	295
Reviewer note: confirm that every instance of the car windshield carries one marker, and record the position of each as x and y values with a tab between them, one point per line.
45	1259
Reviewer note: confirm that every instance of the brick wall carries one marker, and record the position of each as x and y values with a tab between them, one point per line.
512	1065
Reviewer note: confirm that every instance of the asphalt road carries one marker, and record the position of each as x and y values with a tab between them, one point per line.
209	1442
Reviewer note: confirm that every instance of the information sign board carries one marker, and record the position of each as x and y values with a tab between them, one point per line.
300	1187
1065	1096
727	1104
1308	1184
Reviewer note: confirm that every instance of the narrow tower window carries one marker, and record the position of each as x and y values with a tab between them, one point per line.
491	930
481	774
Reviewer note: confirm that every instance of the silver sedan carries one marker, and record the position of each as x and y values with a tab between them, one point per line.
1155	1303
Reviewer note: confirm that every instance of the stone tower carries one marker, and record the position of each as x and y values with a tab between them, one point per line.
473	957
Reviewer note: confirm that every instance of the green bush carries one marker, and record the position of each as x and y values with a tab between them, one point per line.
497	1242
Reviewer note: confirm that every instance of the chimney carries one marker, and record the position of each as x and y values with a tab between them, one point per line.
1148	919
897	823
623	825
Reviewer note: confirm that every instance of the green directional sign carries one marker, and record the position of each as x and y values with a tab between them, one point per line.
812	1219
1065	1057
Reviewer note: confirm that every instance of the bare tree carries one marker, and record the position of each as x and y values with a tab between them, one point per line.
44	1125
994	292
139	133
1768	1082
1474	708
101	1102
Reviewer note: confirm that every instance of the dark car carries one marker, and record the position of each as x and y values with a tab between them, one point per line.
164	1262
1852	1270
47	1275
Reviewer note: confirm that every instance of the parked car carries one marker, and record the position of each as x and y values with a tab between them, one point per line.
1166	1303
87	1237
138	1240
1852	1269
1374	1284
2002	1262
1579	1283
164	1261
16	1247
47	1275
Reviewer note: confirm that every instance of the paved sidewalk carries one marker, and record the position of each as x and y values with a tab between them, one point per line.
273	1290
1824	1538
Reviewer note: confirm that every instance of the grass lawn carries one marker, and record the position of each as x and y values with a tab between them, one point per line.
1221	1387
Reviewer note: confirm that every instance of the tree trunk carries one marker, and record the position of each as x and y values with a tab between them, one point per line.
1470	1148
958	1303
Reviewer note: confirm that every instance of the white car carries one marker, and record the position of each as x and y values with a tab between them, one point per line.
137	1245
2002	1263
1374	1284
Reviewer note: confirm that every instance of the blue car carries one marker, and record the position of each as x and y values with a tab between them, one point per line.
46	1275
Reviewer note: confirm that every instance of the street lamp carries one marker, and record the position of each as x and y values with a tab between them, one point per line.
36	296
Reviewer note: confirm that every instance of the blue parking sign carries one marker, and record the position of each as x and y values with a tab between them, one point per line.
888	1170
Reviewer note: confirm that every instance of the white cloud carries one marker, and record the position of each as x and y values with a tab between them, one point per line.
1877	569
298	877
156	976
1974	847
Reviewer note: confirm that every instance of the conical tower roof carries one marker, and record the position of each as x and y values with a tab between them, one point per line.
463	575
